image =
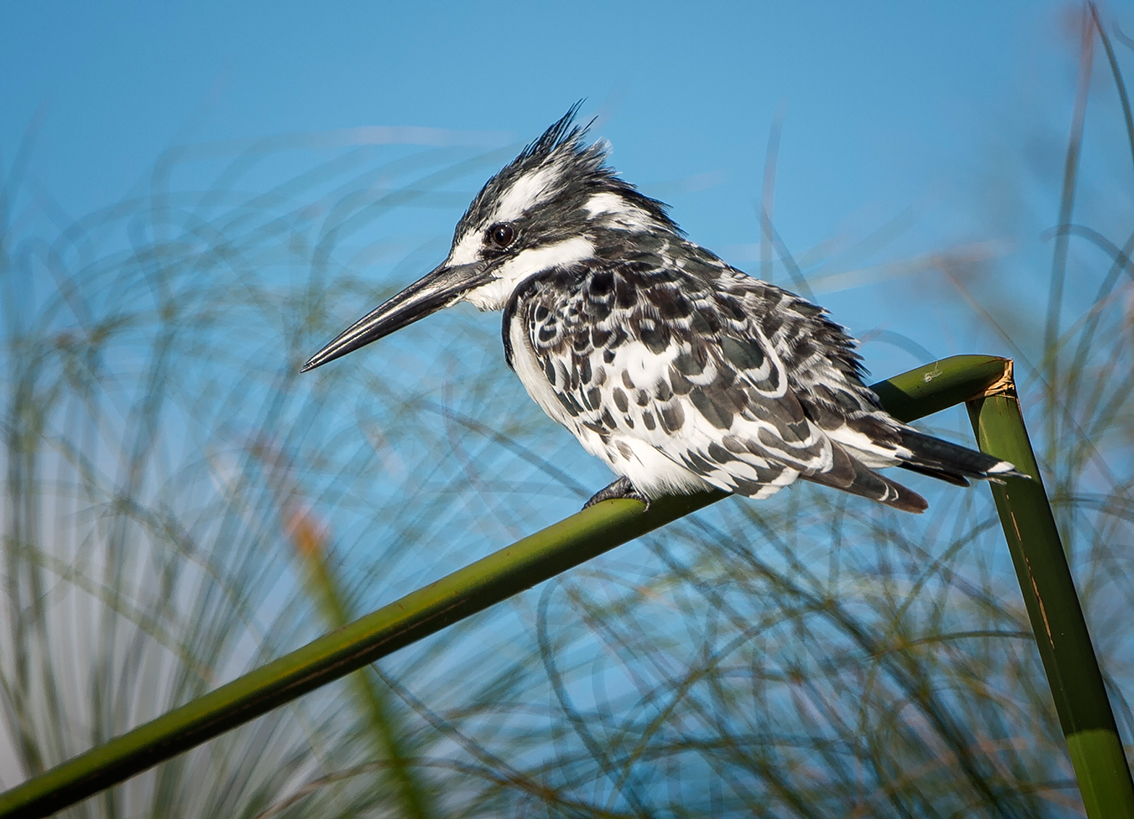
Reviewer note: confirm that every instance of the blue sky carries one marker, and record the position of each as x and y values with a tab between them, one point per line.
890	111
883	101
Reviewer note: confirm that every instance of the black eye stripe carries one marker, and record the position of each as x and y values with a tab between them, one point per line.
501	234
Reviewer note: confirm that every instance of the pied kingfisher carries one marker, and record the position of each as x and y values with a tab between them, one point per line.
680	372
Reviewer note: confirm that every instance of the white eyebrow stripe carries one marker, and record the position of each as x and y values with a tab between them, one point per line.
526	192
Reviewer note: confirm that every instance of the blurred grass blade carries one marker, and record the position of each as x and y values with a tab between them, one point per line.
1053	608
1051	344
495	578
373	698
1116	72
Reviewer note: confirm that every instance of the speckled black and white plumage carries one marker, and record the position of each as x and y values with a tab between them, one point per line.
679	371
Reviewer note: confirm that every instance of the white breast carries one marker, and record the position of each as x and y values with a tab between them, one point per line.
651	472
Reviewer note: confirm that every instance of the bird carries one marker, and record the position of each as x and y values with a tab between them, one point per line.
682	373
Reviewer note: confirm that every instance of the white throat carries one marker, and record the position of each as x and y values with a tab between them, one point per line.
523	265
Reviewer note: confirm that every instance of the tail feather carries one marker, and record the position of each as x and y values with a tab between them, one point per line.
928	456
851	475
951	462
940	474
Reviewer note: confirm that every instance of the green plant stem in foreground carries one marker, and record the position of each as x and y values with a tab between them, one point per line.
521	566
1053	608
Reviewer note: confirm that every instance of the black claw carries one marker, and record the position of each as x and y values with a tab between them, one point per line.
621	488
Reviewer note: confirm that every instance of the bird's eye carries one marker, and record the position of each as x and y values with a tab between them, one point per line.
502	234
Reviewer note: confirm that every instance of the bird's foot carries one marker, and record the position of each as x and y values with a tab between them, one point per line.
621	488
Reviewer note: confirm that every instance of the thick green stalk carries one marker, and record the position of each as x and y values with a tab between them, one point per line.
472	589
1053	608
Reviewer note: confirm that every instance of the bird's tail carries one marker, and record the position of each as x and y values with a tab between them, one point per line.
928	456
953	463
950	462
852	475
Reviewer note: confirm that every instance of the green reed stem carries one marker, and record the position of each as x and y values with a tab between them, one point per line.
1053	608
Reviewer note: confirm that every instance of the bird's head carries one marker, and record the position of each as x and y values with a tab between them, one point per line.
554	205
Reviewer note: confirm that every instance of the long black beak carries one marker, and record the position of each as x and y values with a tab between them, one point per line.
432	292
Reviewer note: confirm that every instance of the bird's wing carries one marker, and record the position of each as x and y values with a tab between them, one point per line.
706	371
